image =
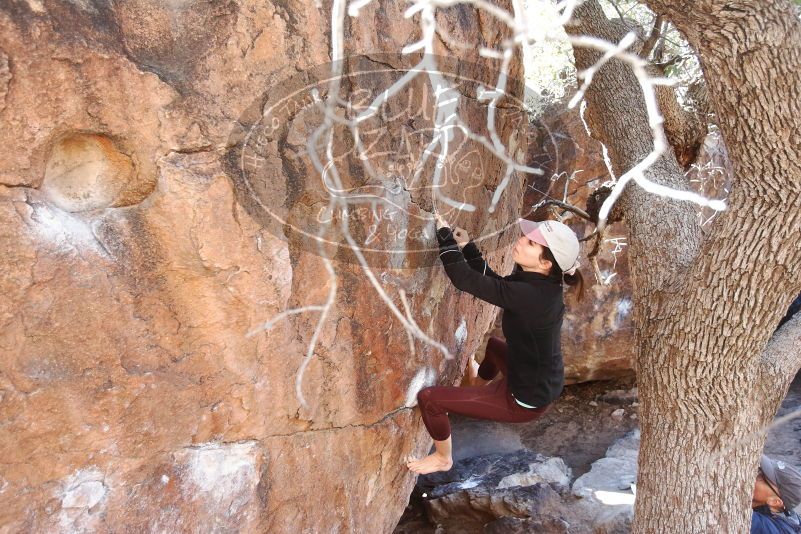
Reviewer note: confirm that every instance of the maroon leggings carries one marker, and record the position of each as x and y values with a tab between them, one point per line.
492	401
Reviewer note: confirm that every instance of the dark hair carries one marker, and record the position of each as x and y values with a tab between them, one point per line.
574	280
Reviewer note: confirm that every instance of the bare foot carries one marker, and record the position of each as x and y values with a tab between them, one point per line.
430	464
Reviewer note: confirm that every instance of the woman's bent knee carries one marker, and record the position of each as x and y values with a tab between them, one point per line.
424	395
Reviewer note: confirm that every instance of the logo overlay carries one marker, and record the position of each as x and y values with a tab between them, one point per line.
367	170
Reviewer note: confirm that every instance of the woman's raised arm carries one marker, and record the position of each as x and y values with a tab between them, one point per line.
476	261
507	294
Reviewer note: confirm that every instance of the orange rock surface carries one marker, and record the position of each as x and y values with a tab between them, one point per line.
133	268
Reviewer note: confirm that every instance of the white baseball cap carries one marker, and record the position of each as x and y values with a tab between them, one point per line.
556	236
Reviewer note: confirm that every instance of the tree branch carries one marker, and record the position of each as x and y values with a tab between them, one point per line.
619	13
659	52
565	206
665	64
653	38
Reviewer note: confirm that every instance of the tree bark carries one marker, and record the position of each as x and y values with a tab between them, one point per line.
704	311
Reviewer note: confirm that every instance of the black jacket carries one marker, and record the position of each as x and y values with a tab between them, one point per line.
533	309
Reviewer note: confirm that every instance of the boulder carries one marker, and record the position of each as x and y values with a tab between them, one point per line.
142	248
607	490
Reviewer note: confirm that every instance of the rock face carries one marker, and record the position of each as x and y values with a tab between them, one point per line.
134	265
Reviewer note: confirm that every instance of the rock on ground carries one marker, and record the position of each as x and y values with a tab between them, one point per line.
525	490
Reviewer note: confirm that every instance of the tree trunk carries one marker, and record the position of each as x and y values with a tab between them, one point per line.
704	311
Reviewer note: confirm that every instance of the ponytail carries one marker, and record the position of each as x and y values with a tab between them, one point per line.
575	280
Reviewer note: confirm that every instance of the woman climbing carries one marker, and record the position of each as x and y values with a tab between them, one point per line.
530	360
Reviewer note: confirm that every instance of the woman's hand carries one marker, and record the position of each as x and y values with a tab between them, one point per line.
461	237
